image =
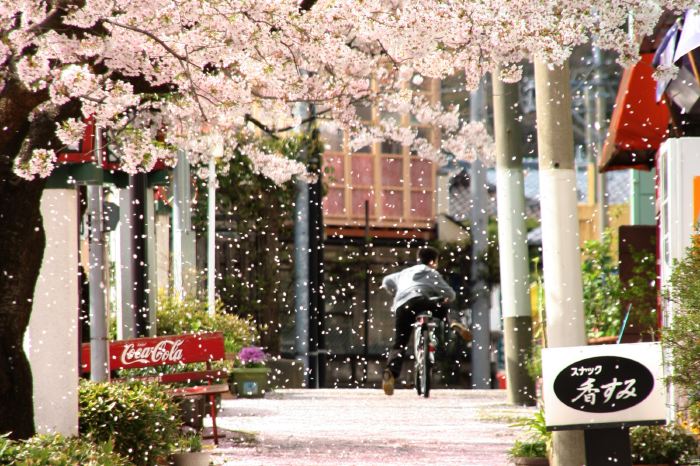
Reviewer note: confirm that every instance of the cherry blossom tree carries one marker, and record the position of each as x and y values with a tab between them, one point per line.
161	75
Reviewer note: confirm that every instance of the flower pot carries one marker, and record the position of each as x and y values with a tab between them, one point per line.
249	382
610	340
530	461
199	458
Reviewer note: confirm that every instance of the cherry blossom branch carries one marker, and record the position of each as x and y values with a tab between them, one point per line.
152	36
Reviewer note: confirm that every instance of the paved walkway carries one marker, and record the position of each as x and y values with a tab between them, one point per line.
365	427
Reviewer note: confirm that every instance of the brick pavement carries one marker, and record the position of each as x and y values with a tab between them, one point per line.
365	427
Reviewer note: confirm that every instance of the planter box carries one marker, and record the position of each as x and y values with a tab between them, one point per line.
529	461
191	459
249	382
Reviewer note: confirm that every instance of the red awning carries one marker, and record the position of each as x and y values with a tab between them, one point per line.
639	124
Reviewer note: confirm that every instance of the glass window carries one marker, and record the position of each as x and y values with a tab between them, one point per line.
391	147
392	171
364	111
332	137
362	170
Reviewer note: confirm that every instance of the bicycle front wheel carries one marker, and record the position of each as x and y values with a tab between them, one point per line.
418	360
425	363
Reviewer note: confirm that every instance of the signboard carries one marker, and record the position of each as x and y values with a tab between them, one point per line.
603	386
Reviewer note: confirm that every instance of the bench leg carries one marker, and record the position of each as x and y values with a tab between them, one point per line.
212	407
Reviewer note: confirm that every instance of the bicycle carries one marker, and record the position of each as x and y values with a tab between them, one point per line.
424	344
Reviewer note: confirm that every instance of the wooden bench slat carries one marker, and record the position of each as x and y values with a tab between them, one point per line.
194	376
199	390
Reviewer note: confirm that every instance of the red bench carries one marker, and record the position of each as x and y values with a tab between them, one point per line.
171	350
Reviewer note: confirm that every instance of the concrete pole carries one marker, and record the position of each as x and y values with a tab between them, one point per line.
52	338
512	243
600	130
183	236
99	363
152	283
125	273
591	169
301	268
301	275
211	239
480	302
560	230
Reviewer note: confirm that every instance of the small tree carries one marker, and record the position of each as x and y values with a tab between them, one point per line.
682	336
601	288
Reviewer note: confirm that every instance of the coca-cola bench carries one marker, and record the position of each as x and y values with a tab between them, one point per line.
172	350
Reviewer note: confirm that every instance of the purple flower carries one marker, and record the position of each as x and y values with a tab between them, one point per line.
252	356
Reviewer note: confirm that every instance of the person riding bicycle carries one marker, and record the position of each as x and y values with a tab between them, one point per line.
412	289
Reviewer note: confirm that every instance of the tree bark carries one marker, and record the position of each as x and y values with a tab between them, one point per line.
22	239
22	243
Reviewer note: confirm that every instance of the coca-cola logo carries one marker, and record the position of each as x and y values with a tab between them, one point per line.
164	352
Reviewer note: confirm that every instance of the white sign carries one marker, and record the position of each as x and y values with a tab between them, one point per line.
603	384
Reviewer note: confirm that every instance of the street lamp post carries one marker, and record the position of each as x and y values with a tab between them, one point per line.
217	150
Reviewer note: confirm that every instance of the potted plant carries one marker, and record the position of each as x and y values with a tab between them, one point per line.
529	453
249	379
662	445
532	451
188	451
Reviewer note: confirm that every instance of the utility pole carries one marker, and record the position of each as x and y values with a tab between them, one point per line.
217	150
126	302
316	263
99	356
512	243
150	240
560	230
591	170
480	302
183	236
600	125
365	312
301	269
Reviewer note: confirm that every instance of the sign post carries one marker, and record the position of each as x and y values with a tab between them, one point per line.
604	390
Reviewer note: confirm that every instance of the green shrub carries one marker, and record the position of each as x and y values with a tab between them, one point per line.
139	418
662	445
528	449
188	443
56	450
640	292
190	315
601	288
539	439
682	336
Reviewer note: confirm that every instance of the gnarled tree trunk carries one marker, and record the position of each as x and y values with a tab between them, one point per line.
21	251
22	244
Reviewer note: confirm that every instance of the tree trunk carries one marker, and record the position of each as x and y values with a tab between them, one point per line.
22	243
22	239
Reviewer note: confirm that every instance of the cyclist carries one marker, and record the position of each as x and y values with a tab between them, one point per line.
412	289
